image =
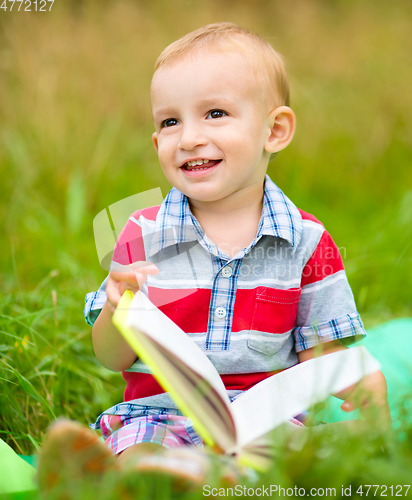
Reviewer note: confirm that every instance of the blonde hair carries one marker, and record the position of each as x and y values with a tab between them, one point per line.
269	68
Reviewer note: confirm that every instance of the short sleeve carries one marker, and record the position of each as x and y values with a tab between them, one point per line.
129	248
326	309
94	303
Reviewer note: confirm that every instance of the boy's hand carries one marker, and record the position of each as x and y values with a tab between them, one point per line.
369	395
131	277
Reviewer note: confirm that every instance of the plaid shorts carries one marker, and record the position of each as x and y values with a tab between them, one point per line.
170	431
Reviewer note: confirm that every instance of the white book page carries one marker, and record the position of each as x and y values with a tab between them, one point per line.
147	318
279	398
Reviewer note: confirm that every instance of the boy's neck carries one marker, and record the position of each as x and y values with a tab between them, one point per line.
231	223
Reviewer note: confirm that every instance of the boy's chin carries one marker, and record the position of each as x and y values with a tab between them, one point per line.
203	195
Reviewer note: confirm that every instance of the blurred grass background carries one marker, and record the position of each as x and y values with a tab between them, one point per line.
75	137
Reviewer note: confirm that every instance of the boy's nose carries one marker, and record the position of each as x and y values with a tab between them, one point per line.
191	137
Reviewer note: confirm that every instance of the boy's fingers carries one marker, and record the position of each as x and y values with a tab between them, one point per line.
346	393
350	405
368	402
115	289
346	406
123	278
145	267
133	272
354	397
113	294
112	300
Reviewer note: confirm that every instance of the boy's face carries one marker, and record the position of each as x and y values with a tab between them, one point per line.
207	109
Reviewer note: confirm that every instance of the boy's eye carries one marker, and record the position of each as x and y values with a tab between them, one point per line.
216	113
170	122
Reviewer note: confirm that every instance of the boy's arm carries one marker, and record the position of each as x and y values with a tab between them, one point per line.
326	294
369	395
110	347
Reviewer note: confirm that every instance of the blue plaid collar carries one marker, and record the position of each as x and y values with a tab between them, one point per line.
175	222
280	217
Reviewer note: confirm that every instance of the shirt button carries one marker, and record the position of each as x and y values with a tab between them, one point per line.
227	272
220	312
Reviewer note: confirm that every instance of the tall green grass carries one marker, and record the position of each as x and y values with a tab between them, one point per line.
75	131
47	367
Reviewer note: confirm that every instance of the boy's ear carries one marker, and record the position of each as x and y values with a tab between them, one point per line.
282	122
154	140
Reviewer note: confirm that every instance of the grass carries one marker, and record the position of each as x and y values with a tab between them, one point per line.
47	367
311	464
75	138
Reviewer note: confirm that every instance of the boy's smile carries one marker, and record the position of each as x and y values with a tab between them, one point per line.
211	127
199	165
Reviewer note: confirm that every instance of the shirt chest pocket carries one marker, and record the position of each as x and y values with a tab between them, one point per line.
274	316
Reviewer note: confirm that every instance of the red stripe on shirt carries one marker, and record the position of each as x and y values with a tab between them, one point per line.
140	385
244	381
325	261
188	308
143	385
129	247
262	309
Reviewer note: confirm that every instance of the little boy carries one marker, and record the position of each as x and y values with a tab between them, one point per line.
257	283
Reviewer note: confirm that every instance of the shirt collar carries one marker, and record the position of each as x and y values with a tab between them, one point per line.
175	222
280	217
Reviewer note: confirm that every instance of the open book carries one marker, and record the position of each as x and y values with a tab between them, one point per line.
243	426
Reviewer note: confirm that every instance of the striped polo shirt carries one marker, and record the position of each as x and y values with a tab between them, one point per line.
250	314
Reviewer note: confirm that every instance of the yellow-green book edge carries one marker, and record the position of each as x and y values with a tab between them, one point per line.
119	320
